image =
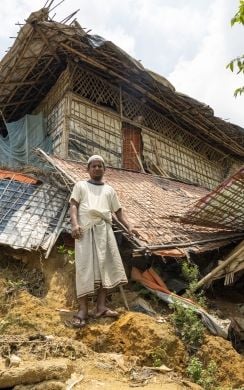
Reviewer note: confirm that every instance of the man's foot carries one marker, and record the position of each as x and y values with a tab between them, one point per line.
106	312
76	322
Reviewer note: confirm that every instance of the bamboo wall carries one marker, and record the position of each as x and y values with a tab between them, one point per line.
85	115
54	108
179	161
93	130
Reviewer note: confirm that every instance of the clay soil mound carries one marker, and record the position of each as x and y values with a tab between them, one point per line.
230	365
137	334
27	310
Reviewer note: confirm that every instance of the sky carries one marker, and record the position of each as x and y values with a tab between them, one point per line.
189	42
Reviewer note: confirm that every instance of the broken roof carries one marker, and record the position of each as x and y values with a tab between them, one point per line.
224	206
31	212
42	50
153	204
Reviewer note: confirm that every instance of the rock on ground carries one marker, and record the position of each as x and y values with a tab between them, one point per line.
35	372
46	385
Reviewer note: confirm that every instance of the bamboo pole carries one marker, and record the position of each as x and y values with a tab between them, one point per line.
57	229
61	171
137	156
188	243
220	267
124	297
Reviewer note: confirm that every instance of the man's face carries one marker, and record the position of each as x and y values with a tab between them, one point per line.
96	170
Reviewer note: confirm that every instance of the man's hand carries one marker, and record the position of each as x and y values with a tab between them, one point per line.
77	232
122	219
132	231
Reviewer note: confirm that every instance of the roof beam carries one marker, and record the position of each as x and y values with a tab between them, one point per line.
47	43
29	89
17	103
17	83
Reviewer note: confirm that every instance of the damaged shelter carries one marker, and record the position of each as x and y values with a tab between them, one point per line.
72	94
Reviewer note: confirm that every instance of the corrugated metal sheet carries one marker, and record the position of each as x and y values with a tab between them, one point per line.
29	212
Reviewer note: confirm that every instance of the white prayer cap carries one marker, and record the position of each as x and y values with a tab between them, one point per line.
95	157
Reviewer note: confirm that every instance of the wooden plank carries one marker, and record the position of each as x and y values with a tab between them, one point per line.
137	156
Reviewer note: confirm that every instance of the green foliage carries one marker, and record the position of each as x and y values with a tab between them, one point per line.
11	320
185	319
158	356
70	253
237	63
239	16
190	273
187	325
202	376
8	296
15	285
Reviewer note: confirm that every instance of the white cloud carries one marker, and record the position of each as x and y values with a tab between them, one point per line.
205	76
188	41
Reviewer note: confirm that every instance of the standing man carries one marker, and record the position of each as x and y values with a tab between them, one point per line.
97	259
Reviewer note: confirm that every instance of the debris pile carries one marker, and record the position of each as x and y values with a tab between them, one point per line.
136	350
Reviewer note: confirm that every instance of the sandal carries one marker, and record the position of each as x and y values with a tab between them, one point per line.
107	313
76	322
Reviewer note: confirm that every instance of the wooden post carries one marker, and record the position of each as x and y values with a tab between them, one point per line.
124	297
137	156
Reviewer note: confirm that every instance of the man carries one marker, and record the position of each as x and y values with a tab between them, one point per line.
98	263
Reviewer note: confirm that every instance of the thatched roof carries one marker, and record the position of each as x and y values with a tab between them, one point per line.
42	50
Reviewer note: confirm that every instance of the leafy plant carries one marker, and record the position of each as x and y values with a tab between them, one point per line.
202	376
187	325
70	253
158	356
190	273
11	320
238	62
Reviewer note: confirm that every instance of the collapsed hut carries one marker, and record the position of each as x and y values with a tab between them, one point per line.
71	94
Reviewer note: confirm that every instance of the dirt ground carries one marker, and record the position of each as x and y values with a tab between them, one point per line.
39	296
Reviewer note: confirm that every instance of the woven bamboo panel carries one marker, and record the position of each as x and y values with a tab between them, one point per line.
181	154
133	108
223	206
54	109
96	89
94	131
181	162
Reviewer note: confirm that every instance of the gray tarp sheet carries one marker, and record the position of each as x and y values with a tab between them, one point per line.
23	136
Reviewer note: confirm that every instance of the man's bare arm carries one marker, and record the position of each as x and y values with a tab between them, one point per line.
73	211
120	214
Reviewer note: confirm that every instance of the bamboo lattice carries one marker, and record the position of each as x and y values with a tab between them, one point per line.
224	206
